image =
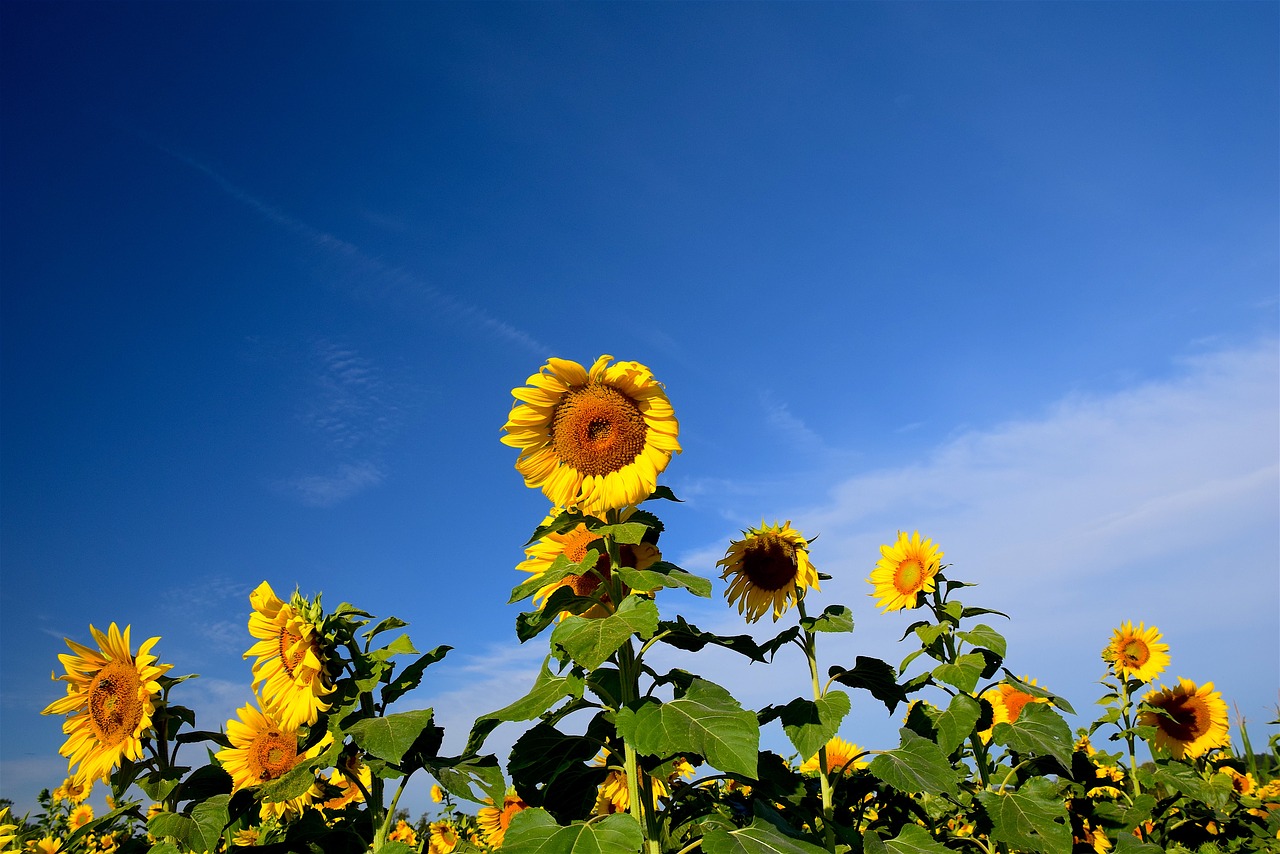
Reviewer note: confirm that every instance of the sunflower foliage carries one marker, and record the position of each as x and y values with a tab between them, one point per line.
620	756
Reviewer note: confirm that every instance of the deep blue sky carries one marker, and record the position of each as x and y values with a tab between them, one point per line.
1006	273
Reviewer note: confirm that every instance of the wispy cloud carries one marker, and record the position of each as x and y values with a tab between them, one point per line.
371	269
352	407
326	490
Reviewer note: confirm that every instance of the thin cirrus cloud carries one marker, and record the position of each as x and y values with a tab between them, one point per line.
326	490
444	305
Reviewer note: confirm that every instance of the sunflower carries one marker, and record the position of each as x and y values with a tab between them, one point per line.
403	832
1243	784
111	696
290	661
1007	702
592	440
1137	654
80	816
8	830
344	778
574	545
442	837
905	569
840	758
494	821
614	797
263	749
73	789
1190	721
47	845
770	570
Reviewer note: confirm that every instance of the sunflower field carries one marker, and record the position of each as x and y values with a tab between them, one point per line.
619	758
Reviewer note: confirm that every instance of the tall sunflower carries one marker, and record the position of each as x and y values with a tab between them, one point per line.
840	757
1191	720
442	837
264	749
1136	653
574	545
289	673
111	696
494	820
905	569
768	569
592	440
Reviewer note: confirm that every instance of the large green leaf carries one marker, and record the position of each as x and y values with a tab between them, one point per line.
915	840
548	770
963	673
759	838
590	641
390	737
985	637
810	724
1038	730
460	775
917	765
208	819
663	574
707	721
955	724
835	618
874	675
534	831
559	568
548	689
1032	819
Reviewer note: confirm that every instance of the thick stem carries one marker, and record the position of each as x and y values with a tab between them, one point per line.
1134	786
828	811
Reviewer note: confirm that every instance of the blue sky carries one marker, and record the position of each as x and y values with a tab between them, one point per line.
1006	274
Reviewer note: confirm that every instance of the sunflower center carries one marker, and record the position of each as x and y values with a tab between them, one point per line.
1014	701
909	575
272	754
1187	718
598	430
292	651
114	708
770	562
1135	653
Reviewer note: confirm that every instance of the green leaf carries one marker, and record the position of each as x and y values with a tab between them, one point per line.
548	689
684	635
170	824
590	641
1037	691
1029	819
986	637
663	492
759	838
810	724
1038	730
918	765
411	676
208	818
915	840
530	624
707	721
386	625
549	770
400	646
390	737
164	848
395	846
459	775
963	673
560	569
625	533
928	633
663	574
835	618
1127	843
534	831
292	784
566	521
956	723
874	675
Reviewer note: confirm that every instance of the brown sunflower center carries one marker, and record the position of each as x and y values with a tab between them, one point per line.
272	754
115	711
1188	718
292	651
598	430
1134	653
909	575
1014	701
769	562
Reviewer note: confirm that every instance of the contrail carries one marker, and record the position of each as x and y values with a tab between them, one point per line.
446	303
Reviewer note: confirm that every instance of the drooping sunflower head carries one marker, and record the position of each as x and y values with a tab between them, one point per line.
111	697
840	758
592	440
614	795
344	778
289	671
1190	720
768	570
575	545
1136	653
495	820
905	570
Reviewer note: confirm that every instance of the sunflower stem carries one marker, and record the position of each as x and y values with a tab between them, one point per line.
1134	785
811	655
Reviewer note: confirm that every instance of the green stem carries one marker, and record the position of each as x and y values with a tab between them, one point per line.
828	811
381	838
1134	785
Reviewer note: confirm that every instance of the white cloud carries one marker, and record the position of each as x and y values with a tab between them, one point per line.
328	490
